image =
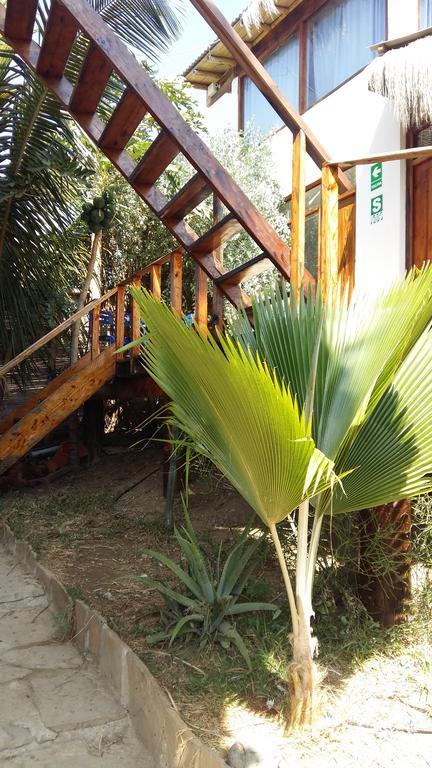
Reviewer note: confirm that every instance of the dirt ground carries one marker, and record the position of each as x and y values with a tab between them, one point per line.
89	529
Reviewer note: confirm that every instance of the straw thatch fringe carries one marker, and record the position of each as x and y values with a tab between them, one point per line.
404	76
255	13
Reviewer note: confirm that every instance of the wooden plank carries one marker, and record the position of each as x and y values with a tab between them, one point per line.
59	37
52	334
95	333
189	197
298	211
217	235
346	246
201	299
84	383
193	147
34	400
384	157
328	259
217	311
243	272
176	277
92	81
135	318
155	161
259	75
156	281
120	319
20	19
123	123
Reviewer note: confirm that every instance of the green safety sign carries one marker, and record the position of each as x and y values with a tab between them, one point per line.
377	206
376	176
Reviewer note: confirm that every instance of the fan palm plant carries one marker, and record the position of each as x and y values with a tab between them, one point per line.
324	409
45	161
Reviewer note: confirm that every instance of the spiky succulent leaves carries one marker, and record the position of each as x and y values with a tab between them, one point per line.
236	413
362	349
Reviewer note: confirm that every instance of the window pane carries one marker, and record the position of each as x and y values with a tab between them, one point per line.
425	13
337	43
283	66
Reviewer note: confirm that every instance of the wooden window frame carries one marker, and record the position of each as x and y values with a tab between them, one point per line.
295	22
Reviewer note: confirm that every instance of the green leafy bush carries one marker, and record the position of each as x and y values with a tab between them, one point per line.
212	598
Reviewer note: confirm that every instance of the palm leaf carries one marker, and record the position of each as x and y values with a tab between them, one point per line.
236	412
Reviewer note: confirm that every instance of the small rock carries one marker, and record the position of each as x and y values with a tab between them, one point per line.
240	757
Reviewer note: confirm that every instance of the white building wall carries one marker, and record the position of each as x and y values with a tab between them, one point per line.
353	122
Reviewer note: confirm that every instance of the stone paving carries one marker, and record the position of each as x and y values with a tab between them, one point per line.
55	710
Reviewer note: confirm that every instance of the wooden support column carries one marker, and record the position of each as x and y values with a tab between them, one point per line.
135	319
329	249
95	333
155	281
120	319
218	255
298	211
176	277
201	298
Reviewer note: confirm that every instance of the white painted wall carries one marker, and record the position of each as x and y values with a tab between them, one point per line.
350	123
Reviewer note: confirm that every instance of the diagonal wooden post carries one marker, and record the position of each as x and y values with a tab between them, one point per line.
298	214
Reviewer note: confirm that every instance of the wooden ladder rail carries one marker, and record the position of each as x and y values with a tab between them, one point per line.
140	97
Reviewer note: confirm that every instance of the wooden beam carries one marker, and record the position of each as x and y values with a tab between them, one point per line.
34	400
95	332
189	197
155	161
201	299
384	157
329	248
40	421
222	231
123	122
156	281
59	37
298	211
176	277
92	81
217	319
135	318
120	319
259	75
20	19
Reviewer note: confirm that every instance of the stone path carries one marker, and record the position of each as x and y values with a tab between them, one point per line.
55	711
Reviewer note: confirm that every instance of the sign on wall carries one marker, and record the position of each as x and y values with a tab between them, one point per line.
376	176
377	207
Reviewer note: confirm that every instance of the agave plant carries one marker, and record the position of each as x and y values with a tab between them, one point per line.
213	595
324	409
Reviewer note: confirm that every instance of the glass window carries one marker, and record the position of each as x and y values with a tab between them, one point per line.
283	67
425	13
338	37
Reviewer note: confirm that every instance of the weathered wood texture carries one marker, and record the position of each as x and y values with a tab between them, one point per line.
329	249
298	211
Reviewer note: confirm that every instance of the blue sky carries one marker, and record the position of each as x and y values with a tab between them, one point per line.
197	35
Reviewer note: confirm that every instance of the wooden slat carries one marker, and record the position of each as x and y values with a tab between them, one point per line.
120	319
384	157
156	281
217	235
243	272
346	246
123	123
59	37
155	161
52	334
298	211
40	421
328	259
95	334
20	19
189	197
92	81
201	298
135	318
259	75
176	277
38	397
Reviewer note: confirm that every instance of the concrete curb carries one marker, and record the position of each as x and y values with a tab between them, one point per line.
157	724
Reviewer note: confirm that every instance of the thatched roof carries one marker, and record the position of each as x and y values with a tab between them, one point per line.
404	76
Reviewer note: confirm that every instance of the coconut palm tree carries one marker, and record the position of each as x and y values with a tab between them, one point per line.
324	409
45	161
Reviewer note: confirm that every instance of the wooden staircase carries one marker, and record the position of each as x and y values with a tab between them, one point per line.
104	55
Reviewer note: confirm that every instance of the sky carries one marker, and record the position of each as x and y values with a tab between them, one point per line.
197	35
